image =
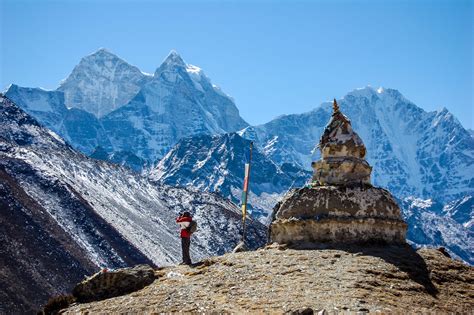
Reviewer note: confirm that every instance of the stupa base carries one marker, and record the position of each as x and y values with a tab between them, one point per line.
338	230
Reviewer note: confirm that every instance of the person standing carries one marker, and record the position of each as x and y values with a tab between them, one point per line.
184	221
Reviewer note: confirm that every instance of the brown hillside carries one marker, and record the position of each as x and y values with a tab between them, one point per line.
278	280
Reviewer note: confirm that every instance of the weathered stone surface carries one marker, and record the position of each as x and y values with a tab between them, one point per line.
384	279
338	230
103	285
241	247
341	171
338	201
339	139
337	214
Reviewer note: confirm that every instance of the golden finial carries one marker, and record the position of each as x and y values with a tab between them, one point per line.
335	107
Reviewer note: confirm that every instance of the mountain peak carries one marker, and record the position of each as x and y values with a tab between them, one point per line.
101	83
366	92
101	55
174	59
102	50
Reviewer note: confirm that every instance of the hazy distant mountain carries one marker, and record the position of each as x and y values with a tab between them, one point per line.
80	128
101	83
178	102
417	155
107	102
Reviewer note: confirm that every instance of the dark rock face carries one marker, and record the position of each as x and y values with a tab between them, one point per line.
215	163
104	285
37	259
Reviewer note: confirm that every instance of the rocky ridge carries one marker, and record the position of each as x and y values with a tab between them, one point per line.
277	280
435	218
215	163
413	153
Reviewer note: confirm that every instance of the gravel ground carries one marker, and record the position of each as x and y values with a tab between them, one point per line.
351	279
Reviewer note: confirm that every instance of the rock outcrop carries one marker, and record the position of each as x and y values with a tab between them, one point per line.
107	284
340	206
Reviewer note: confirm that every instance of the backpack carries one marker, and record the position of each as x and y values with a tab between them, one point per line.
192	226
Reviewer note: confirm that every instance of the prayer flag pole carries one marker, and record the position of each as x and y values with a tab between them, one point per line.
245	190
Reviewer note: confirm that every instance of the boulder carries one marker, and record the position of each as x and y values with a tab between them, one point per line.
107	284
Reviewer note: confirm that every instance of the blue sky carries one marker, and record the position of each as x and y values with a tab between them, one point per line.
273	57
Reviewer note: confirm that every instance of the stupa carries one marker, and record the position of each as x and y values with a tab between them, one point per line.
340	205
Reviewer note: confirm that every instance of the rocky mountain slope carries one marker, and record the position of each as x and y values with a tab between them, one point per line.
387	279
216	163
80	128
64	214
109	103
431	224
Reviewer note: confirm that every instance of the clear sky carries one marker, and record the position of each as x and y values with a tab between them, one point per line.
273	57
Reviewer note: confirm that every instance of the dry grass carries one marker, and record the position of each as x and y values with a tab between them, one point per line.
380	279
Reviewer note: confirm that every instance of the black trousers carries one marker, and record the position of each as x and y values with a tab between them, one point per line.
185	244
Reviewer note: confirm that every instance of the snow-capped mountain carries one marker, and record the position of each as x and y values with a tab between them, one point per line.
216	163
78	127
62	209
428	226
109	103
179	102
412	152
101	83
417	155
462	211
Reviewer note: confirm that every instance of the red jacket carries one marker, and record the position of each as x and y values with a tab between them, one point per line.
184	231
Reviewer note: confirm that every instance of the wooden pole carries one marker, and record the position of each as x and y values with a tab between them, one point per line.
244	202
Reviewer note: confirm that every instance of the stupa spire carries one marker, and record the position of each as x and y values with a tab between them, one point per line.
342	154
335	108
